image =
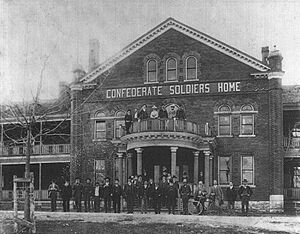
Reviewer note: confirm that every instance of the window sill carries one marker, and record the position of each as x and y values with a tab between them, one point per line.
99	140
235	186
247	135
225	136
171	81
191	80
155	82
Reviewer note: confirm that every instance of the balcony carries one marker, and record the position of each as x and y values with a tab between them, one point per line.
56	149
291	146
168	132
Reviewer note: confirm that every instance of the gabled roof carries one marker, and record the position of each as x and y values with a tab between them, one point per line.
171	23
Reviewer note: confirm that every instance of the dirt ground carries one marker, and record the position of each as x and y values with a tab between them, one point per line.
80	227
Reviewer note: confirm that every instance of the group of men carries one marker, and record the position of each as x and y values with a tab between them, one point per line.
143	113
144	193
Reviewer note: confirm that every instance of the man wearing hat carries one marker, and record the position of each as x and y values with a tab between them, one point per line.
129	194
171	196
245	193
77	193
154	113
185	192
107	195
143	113
87	194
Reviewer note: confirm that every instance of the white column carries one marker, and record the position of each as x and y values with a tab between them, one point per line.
173	160
40	180
120	167
129	164
139	162
196	166
206	168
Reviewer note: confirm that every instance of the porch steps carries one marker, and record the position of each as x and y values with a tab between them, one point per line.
292	207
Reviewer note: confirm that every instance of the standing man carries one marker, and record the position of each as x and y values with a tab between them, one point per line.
77	194
200	193
66	194
185	192
216	192
245	193
97	193
144	197
87	193
129	194
143	113
157	194
128	121
164	189
171	197
107	194
231	196
116	196
52	194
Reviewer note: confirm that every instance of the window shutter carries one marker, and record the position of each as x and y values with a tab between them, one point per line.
109	129
235	125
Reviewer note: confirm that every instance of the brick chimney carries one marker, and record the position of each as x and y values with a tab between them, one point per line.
264	54
94	48
275	60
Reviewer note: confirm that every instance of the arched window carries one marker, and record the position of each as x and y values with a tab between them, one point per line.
152	70
247	120
171	69
224	121
99	115
191	68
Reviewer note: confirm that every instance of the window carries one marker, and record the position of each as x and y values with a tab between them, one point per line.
120	128
224	170
99	170
224	128
248	169
152	71
171	69
247	120
191	68
100	130
21	151
296	177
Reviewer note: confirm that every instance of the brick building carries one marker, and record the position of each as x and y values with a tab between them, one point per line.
232	127
232	103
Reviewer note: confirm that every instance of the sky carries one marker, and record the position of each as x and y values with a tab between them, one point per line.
42	40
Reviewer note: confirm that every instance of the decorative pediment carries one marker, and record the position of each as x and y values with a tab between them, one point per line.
168	24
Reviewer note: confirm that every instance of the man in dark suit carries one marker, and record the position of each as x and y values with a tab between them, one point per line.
185	193
87	194
231	195
66	194
129	194
116	196
107	194
171	196
157	194
97	194
77	193
245	193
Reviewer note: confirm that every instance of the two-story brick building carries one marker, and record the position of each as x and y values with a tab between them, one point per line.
232	129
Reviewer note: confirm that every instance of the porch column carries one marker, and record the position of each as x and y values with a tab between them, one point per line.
196	166
129	164
139	152
206	168
40	181
173	160
120	167
1	182
211	157
124	170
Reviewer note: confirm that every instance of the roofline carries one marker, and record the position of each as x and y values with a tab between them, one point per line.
166	25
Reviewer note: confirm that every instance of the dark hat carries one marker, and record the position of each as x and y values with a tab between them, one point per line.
106	178
170	181
244	180
77	178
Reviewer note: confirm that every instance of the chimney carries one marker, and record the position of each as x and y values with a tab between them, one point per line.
275	60
78	72
264	54
94	48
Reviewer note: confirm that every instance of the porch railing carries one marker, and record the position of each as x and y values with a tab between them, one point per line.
292	193
291	143
168	125
36	150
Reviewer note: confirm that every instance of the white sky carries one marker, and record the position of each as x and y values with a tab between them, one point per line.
61	29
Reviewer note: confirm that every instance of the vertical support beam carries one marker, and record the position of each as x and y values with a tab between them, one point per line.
40	181
139	161
211	157
1	182
196	166
124	174
120	167
129	164
15	196
206	168
41	138
173	160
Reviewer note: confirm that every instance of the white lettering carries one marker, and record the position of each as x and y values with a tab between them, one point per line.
159	90
171	89
207	88
108	93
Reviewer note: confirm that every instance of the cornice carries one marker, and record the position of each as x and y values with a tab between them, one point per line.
171	23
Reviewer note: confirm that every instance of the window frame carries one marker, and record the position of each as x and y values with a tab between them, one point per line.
225	113
219	170
244	113
96	131
186	68
156	71
167	70
253	169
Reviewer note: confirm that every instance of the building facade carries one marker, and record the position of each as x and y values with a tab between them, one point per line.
227	118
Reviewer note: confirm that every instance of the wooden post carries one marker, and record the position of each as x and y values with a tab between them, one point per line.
31	194
196	166
173	160
15	196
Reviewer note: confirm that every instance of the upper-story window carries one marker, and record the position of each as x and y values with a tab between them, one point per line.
100	130
247	120
151	71
171	69
224	121
191	68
